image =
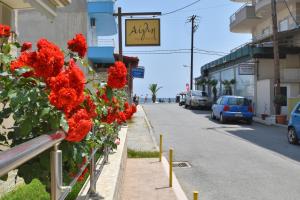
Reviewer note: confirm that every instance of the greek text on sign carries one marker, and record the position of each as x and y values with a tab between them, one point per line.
142	32
246	69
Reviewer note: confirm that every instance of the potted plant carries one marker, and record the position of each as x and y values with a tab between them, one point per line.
281	101
228	86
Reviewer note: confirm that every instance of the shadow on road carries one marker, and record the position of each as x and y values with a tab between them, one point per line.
269	137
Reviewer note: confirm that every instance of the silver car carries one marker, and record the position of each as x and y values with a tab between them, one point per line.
198	99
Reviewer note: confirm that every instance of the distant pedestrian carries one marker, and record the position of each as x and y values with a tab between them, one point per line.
146	98
169	100
134	99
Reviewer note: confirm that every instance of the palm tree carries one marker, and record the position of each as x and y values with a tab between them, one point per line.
228	86
154	89
202	82
214	84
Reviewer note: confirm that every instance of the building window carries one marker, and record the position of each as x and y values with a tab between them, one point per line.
283	25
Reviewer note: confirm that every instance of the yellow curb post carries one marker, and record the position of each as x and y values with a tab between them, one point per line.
195	195
171	167
160	147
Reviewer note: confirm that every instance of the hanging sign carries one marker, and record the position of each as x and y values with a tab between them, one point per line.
246	69
142	32
138	72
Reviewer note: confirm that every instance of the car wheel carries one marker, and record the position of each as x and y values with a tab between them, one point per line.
191	107
292	137
185	105
222	120
212	116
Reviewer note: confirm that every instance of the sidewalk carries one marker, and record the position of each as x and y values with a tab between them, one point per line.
145	178
138	137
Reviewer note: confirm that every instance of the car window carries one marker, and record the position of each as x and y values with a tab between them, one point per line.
238	101
197	93
219	100
223	101
297	110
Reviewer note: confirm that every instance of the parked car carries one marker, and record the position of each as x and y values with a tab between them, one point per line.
197	98
182	96
294	125
232	108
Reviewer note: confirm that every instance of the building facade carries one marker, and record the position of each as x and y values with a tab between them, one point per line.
251	65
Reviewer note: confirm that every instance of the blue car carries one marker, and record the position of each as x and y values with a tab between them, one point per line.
232	108
294	125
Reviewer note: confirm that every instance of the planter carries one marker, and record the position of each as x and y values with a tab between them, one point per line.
281	119
263	116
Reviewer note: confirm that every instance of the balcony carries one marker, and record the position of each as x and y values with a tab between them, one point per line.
45	7
263	7
101	51
244	19
101	17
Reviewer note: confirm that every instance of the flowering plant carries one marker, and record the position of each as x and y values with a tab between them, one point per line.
44	90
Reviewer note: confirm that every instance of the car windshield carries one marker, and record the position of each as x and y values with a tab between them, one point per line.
238	101
199	94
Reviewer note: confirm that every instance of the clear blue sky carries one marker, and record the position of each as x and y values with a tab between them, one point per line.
213	34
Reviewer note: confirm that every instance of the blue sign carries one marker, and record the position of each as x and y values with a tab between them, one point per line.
138	72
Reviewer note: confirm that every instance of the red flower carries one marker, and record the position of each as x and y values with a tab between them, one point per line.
78	44
121	118
110	117
4	30
48	60
67	89
133	108
79	126
26	46
25	60
117	75
90	107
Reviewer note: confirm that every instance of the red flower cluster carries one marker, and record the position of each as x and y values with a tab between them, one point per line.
4	30
67	89
49	59
78	44
117	75
46	62
26	46
129	110
79	125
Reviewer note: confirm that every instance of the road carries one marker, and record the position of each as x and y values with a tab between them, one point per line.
228	161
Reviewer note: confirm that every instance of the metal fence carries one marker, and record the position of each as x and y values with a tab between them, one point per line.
16	156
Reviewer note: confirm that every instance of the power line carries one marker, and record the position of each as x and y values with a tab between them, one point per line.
179	9
176	50
287	6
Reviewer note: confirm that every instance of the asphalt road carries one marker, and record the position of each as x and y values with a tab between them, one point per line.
229	162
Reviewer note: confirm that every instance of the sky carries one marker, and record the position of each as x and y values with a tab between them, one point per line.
213	34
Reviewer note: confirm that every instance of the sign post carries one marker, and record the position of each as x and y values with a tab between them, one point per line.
138	72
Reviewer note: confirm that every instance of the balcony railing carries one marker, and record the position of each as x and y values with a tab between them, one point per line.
243	19
16	156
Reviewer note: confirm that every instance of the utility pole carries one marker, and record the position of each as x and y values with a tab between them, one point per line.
193	20
276	55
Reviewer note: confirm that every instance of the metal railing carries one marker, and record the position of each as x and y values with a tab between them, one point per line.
16	156
233	16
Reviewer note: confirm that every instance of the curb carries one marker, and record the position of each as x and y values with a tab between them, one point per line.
150	129
176	186
260	121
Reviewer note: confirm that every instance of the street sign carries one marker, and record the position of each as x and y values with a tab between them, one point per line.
138	72
246	69
142	32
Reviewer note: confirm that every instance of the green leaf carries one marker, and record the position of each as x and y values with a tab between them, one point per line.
22	70
5	113
6	49
4	177
109	93
17	44
64	124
